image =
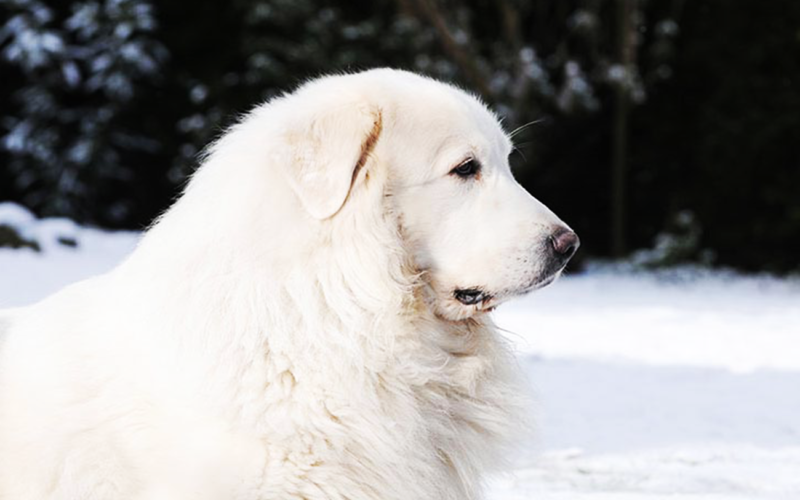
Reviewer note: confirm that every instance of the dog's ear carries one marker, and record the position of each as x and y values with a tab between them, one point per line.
329	150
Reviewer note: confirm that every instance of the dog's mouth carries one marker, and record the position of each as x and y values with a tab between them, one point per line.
539	283
479	300
476	299
471	296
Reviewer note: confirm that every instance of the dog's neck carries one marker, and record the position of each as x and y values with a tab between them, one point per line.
272	254
346	311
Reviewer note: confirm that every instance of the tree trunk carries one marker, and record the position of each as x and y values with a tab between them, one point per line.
619	160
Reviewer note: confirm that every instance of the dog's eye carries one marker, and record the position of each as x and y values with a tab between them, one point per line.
467	169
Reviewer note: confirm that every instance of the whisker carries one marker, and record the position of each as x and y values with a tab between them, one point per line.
515	149
523	127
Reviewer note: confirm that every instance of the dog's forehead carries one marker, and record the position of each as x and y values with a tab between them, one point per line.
419	106
438	112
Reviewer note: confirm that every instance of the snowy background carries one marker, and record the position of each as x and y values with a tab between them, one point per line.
648	385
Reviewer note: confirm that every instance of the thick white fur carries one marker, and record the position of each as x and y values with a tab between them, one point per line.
287	329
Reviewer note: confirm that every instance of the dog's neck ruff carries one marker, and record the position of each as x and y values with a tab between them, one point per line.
329	350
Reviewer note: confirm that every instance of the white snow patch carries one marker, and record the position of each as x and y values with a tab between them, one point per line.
27	276
695	318
708	473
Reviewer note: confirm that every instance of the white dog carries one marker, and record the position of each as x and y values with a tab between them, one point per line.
307	321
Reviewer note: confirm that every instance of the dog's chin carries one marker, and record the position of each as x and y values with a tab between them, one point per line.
451	309
457	304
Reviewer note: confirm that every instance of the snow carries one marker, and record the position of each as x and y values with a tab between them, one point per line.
647	384
576	90
685	317
653	385
27	276
534	69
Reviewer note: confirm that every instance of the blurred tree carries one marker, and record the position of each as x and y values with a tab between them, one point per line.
80	71
721	139
625	50
702	95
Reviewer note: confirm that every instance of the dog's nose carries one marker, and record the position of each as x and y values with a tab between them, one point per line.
565	243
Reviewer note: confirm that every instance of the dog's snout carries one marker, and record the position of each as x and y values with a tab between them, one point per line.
565	243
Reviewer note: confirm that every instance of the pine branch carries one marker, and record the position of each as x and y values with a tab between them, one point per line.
429	12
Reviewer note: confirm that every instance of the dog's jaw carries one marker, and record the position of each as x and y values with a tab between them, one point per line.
459	304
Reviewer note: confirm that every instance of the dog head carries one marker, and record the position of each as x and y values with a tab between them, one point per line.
475	234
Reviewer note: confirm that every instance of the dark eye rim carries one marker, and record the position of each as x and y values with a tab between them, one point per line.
467	168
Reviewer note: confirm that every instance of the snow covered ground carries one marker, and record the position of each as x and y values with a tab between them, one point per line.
675	384
659	385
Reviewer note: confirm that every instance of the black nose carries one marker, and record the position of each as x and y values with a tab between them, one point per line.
565	243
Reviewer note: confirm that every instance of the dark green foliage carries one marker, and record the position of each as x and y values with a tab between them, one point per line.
72	121
10	238
714	123
722	138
